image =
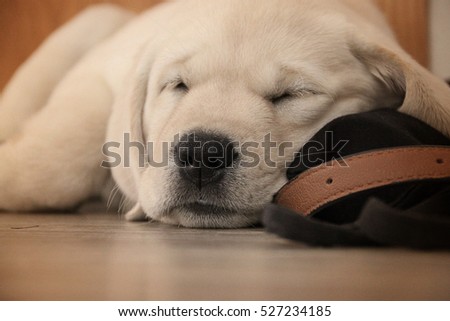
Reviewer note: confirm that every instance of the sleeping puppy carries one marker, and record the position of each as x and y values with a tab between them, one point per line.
140	98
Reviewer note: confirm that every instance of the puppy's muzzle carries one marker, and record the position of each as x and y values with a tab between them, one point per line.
204	158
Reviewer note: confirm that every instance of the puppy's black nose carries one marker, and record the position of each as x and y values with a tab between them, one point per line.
203	158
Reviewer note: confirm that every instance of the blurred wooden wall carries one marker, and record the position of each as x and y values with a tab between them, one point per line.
25	23
409	19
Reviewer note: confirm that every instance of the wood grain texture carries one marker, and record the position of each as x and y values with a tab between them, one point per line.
24	24
98	256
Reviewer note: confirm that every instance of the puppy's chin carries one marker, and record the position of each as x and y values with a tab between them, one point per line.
191	217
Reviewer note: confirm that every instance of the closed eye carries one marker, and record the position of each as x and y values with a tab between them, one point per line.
176	84
279	98
289	95
181	86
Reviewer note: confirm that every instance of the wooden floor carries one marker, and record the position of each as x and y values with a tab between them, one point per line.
96	256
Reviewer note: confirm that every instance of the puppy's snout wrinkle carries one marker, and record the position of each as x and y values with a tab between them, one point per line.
204	158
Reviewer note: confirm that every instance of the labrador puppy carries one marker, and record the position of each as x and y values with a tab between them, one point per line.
194	108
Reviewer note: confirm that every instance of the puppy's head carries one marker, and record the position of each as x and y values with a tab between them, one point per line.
233	89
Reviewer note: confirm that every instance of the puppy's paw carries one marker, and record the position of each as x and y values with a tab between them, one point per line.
135	214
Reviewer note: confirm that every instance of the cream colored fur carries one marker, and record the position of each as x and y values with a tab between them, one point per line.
107	73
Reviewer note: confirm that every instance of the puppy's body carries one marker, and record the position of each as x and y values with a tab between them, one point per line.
238	69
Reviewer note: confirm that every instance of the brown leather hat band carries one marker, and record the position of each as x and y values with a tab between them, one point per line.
336	179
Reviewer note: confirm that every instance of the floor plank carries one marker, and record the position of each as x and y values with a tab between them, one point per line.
98	256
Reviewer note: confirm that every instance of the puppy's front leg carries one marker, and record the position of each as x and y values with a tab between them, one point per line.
54	161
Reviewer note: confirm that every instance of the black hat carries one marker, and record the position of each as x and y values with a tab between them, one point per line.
375	178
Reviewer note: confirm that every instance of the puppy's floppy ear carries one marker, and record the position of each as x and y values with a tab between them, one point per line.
423	95
135	100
